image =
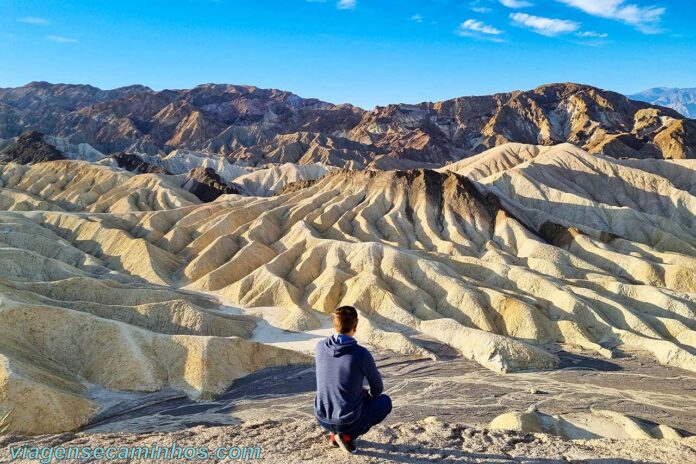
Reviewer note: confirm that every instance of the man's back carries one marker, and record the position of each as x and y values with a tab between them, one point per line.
342	365
341	406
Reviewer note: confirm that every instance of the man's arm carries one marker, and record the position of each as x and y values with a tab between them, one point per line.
372	375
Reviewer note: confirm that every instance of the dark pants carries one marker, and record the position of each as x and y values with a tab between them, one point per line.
375	410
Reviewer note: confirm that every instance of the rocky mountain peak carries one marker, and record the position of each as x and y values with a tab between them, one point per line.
30	148
254	124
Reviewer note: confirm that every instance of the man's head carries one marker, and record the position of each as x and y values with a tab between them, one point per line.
345	320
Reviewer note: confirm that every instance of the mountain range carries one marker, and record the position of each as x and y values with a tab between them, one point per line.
682	100
258	126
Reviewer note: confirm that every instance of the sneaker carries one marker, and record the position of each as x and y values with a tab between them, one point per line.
346	444
332	440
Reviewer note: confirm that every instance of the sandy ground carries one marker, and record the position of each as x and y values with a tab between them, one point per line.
427	440
441	410
456	391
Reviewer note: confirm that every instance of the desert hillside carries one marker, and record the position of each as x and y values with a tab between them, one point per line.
117	281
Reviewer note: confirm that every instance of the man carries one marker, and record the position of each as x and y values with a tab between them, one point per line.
342	406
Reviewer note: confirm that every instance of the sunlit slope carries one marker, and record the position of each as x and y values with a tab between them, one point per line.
81	186
504	157
85	302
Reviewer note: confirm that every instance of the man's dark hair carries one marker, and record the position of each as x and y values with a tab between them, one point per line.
345	319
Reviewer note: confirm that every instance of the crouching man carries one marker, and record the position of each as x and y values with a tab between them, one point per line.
342	406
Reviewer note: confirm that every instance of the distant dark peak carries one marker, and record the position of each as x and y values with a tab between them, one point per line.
681	100
207	185
39	84
135	88
30	148
135	164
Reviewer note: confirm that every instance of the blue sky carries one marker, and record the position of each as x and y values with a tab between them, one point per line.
364	52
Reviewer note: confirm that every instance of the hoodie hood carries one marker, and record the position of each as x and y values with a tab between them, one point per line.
339	344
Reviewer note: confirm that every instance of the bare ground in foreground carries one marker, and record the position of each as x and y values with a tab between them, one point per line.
426	440
441	412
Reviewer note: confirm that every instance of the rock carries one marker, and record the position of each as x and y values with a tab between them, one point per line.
522	422
29	148
133	163
207	185
583	425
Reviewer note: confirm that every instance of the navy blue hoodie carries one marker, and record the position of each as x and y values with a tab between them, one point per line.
342	365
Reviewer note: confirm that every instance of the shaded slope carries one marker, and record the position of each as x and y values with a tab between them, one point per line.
206	184
29	148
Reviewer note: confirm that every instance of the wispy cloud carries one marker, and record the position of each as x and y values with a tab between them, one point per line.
417	18
480	9
478	29
545	26
644	18
346	4
479	26
516	3
592	35
61	39
36	21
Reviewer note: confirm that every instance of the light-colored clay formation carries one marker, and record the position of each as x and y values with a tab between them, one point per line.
81	186
584	425
272	179
501	257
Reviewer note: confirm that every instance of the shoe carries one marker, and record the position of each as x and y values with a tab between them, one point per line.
332	440
346	444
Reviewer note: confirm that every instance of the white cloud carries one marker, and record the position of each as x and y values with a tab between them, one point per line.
545	26
515	3
480	9
643	18
33	20
592	35
61	39
417	18
472	25
479	30
346	4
